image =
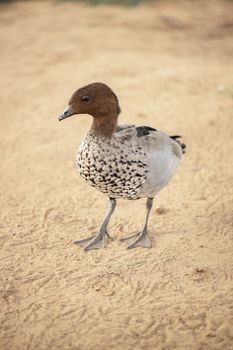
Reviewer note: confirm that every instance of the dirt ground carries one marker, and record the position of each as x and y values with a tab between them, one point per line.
171	65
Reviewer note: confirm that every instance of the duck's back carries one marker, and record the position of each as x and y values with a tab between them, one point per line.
136	162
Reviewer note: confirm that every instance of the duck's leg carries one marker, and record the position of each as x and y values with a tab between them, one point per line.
141	239
100	239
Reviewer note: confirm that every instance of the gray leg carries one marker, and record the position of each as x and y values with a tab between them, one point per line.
100	239
141	239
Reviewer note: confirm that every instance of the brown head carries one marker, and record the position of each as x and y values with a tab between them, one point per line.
98	100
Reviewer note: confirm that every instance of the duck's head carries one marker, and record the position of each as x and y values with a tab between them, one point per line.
96	99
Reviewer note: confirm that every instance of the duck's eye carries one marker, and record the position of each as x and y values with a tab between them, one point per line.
85	98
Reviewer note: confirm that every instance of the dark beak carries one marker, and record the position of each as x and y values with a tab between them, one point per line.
68	112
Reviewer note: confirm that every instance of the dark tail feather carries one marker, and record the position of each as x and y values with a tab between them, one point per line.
176	137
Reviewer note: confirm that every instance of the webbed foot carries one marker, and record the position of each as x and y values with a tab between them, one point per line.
140	239
98	241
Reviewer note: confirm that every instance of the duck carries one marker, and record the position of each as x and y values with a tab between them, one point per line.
123	161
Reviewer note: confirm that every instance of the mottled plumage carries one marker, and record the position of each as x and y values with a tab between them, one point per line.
122	161
127	165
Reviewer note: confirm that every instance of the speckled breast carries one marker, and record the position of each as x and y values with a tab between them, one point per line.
111	170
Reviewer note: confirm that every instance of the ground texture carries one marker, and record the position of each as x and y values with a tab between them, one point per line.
171	65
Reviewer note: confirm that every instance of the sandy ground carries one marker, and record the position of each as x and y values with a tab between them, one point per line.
171	65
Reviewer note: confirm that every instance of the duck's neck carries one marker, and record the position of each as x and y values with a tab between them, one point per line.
104	125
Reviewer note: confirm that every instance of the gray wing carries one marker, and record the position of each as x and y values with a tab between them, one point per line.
147	138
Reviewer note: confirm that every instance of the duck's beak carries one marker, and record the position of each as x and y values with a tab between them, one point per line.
68	112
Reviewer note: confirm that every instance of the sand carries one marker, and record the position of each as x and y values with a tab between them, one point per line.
171	65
